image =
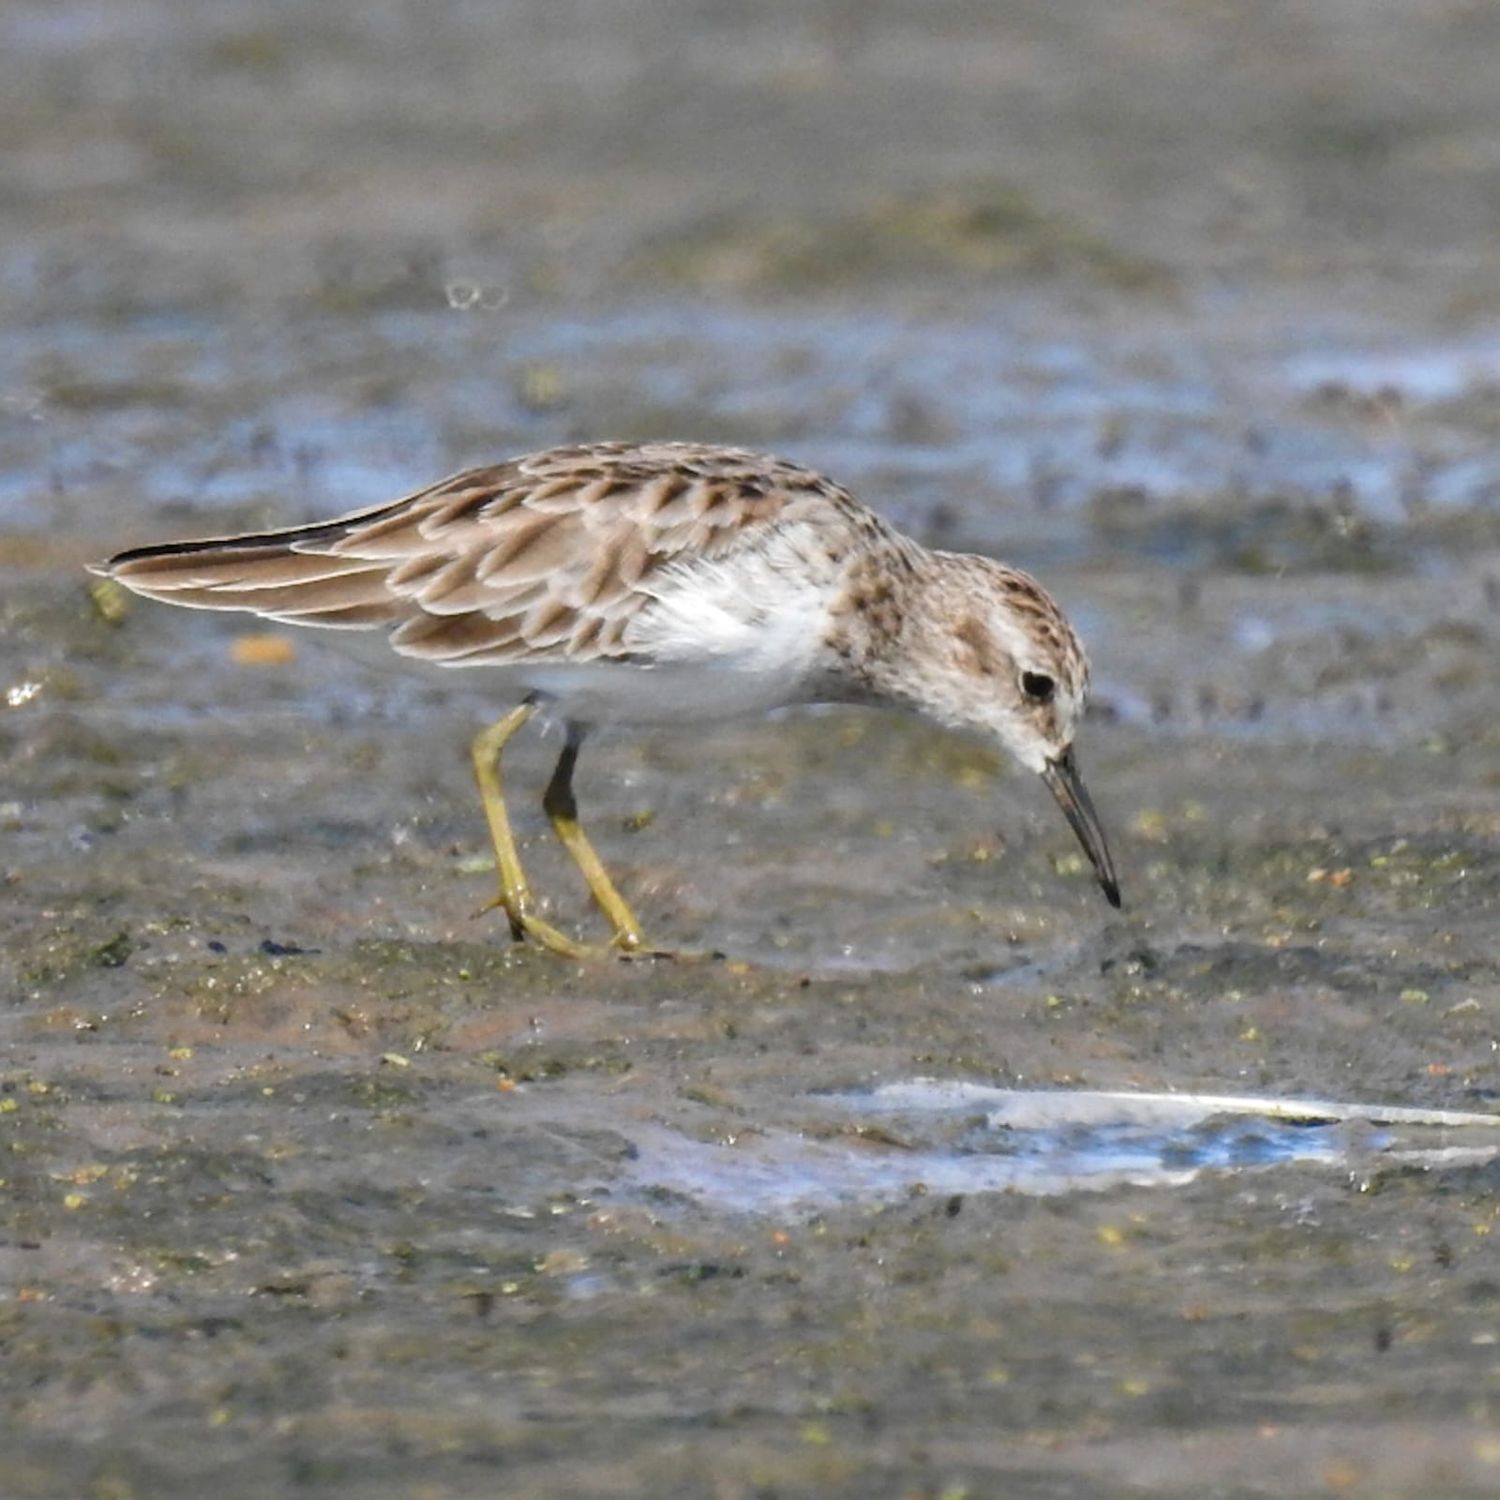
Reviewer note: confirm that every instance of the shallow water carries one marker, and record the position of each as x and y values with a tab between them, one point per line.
962	1138
947	1181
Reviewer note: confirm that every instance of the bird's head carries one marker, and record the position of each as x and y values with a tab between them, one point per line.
1000	659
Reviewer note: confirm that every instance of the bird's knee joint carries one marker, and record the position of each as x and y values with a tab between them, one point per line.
560	805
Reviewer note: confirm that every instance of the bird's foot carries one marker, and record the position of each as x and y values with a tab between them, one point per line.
627	944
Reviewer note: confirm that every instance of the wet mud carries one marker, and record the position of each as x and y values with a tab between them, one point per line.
312	1184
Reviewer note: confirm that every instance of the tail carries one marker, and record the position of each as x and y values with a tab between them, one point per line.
292	576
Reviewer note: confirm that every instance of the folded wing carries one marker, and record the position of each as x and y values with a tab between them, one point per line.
547	557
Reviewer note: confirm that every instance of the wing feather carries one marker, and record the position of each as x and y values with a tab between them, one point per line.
545	557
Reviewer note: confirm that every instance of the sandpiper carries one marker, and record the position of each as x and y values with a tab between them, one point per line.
662	583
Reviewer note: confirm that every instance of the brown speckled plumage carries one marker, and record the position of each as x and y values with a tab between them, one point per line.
665	582
548	555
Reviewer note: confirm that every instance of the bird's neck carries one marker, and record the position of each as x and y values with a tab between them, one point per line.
873	614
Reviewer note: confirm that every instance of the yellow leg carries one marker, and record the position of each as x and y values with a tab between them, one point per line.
515	893
562	809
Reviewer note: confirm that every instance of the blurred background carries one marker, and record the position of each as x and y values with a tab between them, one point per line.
1193	308
1181	286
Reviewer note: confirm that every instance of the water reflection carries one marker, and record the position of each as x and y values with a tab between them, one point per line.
954	1138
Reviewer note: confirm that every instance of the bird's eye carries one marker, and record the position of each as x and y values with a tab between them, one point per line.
1038	686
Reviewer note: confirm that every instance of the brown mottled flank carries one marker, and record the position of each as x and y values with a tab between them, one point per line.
667	583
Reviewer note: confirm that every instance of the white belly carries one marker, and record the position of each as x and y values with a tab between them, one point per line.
670	693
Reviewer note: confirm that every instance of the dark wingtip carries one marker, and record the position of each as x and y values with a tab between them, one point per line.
1111	893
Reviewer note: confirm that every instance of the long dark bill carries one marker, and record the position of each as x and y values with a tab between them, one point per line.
1062	778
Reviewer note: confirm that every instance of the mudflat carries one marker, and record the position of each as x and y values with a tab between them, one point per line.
313	1184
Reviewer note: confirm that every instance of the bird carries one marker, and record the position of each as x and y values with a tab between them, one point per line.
661	583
